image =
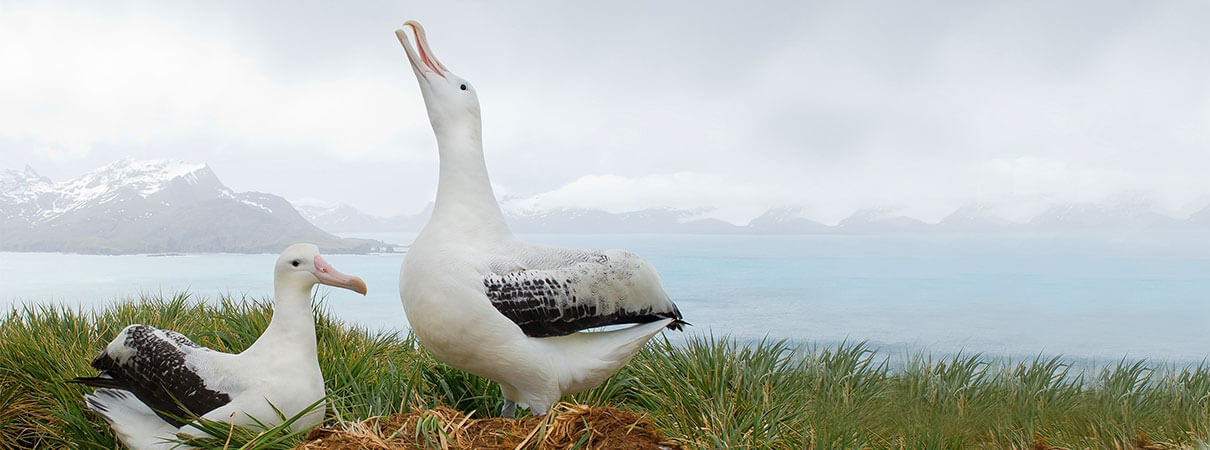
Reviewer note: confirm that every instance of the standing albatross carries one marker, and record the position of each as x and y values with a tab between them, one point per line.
151	379
510	311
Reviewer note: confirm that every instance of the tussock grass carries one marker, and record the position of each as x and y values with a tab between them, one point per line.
708	392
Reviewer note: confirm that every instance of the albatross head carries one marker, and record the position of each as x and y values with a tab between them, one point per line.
451	101
301	266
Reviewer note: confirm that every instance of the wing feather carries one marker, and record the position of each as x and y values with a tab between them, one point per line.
580	290
153	365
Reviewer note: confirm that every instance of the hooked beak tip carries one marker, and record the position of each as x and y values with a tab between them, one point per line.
358	286
423	59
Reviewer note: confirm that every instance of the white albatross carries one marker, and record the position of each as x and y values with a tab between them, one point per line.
513	312
148	374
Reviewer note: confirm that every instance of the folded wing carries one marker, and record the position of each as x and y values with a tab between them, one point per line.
571	291
161	368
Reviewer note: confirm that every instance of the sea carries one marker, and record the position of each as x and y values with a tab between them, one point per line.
1091	298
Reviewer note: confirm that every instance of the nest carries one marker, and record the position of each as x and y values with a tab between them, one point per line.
567	426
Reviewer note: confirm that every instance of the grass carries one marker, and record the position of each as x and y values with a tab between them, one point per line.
708	392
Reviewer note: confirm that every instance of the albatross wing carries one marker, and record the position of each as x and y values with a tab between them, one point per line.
574	290
160	368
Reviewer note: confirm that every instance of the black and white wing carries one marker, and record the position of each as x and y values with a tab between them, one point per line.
565	291
159	367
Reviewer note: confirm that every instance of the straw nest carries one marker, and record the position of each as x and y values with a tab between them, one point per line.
567	426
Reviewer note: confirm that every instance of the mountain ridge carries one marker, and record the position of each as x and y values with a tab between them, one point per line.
151	206
970	219
157	206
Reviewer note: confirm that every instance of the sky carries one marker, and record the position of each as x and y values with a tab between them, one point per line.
831	107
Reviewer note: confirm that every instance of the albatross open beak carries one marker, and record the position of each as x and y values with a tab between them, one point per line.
330	276
422	58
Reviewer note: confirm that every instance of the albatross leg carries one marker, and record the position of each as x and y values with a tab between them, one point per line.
509	410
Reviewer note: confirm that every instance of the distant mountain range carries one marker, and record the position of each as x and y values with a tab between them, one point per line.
151	207
135	206
1071	218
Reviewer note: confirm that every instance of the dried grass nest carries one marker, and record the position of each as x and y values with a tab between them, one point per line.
567	426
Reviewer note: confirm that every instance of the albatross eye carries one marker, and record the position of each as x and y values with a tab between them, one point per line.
295	263
463	87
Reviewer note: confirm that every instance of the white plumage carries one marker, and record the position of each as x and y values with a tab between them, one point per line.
148	374
487	303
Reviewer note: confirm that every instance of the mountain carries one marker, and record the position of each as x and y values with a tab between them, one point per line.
1117	215
579	220
1133	215
20	191
343	218
786	221
134	206
1201	218
881	220
347	219
975	219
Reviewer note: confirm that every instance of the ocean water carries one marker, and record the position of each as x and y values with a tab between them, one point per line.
1093	297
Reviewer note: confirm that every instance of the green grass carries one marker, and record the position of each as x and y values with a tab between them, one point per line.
708	391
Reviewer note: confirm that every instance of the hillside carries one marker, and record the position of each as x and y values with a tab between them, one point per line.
133	206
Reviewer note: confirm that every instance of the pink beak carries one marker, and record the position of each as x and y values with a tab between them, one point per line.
330	276
422	58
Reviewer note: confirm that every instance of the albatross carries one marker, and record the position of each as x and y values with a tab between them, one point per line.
151	379
483	301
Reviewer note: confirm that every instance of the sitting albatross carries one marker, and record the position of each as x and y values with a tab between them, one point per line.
148	374
484	302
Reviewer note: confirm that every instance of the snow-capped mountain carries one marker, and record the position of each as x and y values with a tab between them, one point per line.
1133	214
1112	216
1200	218
343	218
881	220
786	220
580	220
975	219
133	206
20	190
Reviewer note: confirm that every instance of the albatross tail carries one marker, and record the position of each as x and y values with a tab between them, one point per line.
135	424
587	358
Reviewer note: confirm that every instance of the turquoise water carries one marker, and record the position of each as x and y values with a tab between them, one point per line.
1091	297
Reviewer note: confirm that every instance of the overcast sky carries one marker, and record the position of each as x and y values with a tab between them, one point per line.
624	105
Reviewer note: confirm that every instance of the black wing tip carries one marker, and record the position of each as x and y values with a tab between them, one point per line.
97	382
679	325
96	405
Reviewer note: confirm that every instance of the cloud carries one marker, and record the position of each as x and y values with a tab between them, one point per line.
684	190
87	78
626	105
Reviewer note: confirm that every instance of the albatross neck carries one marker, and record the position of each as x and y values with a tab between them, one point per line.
465	200
292	329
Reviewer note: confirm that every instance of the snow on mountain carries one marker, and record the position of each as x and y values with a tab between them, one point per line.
1200	218
17	186
142	177
1130	213
134	206
580	220
115	182
1117	215
786	220
20	191
343	218
880	220
975	219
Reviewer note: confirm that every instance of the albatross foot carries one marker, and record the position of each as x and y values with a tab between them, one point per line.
509	410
